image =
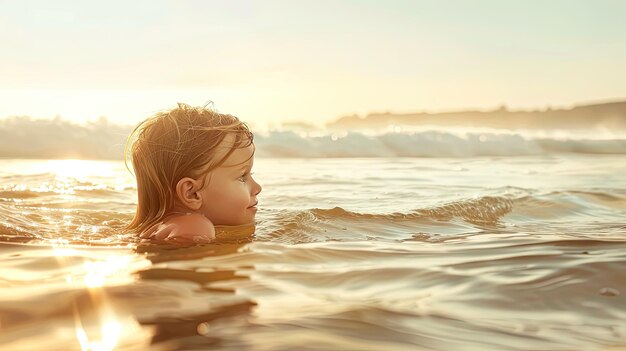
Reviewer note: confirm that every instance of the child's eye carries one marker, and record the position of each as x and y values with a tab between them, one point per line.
245	176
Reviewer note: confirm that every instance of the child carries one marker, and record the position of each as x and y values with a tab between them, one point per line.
193	168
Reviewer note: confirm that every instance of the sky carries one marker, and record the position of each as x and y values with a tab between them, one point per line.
276	61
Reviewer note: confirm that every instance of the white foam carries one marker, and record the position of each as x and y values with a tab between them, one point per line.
26	138
427	144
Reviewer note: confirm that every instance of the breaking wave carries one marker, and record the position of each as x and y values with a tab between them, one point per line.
428	144
23	137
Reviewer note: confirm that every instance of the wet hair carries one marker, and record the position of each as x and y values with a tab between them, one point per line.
171	145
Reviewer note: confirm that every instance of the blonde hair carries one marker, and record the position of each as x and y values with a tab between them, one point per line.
174	144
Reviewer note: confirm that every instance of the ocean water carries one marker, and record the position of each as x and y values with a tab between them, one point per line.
494	252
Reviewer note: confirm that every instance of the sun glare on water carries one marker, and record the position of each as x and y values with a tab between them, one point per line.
65	177
78	169
111	331
110	334
104	326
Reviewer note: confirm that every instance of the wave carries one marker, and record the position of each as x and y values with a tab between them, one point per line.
23	137
427	144
26	138
444	222
485	210
339	224
453	220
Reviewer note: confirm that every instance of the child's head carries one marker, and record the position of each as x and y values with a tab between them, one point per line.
193	159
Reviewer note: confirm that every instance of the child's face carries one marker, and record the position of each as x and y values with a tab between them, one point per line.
230	195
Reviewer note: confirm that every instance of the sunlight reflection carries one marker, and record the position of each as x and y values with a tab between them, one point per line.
100	325
70	178
77	169
99	271
59	243
110	333
93	229
64	252
107	331
95	273
73	175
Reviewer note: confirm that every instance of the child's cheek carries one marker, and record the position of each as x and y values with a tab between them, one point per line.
236	198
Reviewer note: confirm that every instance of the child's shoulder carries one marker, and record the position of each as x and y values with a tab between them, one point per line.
184	226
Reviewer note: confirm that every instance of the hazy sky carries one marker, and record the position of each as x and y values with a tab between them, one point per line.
270	61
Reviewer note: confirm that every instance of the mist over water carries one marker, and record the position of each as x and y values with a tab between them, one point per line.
478	253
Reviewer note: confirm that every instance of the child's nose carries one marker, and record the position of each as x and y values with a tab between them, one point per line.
256	188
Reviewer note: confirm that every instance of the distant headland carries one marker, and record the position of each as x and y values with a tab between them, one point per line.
610	115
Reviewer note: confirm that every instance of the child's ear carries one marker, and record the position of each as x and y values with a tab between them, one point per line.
187	192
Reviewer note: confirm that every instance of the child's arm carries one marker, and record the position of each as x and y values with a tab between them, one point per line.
191	227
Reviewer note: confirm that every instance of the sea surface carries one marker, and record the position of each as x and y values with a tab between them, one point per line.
495	252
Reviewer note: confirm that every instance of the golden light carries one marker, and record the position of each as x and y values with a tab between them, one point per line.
110	335
97	272
77	169
64	252
109	330
100	326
